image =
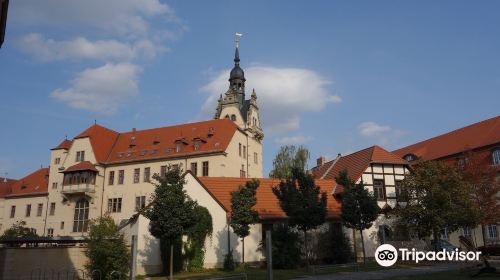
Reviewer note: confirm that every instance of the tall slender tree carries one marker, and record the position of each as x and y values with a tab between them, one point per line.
359	209
171	213
345	181
242	213
302	201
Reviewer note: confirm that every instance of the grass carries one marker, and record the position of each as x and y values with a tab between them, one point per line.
278	274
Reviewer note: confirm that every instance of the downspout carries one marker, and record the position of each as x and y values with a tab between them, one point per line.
246	156
46	211
103	183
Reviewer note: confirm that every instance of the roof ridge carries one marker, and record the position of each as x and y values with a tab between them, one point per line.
448	133
331	166
176	125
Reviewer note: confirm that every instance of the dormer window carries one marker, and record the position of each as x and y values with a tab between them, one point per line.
410	157
144	152
178	146
197	144
496	156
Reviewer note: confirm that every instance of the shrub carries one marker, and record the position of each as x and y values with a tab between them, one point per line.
340	247
286	247
106	250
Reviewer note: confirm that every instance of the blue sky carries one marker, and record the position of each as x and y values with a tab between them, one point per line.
335	76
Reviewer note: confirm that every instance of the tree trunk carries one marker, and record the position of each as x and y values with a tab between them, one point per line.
306	252
171	261
436	240
243	250
483	232
363	245
354	245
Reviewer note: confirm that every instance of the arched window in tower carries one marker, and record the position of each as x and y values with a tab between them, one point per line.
81	219
233	118
239	85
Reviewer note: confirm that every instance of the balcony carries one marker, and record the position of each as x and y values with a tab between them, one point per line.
79	189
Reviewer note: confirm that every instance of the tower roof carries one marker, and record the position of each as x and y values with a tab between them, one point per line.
237	72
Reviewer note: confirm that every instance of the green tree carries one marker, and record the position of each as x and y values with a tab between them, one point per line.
286	247
172	212
242	213
359	207
18	229
106	249
438	198
288	158
302	202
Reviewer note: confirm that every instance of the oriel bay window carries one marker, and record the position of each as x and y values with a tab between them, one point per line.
80	177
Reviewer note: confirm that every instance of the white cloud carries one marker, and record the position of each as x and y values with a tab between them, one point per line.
101	89
293	140
128	17
283	94
80	48
382	134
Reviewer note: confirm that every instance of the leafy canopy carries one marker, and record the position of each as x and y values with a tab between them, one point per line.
359	207
301	199
288	158
18	229
438	198
242	213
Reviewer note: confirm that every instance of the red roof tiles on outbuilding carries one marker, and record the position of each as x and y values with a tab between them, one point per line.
35	183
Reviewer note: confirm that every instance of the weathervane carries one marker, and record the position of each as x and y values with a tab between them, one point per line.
238	35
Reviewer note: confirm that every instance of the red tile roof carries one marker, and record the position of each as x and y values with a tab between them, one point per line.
65	145
474	136
214	136
5	185
101	139
356	163
84	165
35	183
267	203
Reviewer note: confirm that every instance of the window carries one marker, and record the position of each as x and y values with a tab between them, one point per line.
233	118
137	175
52	210
244	151
50	232
163	170
39	210
194	168
242	171
462	162
54	186
399	191
467	231
81	219
410	157
205	168
496	157
492	231
28	210
12	211
255	158
57	160
80	156
239	149
178	147
121	177
62	225
445	234
111	179
76	178
114	205
378	189
140	202
147	174
175	166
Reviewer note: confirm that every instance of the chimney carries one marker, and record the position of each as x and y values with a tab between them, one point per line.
320	161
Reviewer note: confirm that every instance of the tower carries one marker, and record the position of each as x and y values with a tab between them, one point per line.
233	105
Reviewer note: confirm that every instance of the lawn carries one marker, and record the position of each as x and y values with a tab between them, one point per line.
278	274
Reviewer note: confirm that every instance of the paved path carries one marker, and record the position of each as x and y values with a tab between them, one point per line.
383	274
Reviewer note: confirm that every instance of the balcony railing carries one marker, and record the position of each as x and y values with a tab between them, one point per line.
78	189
